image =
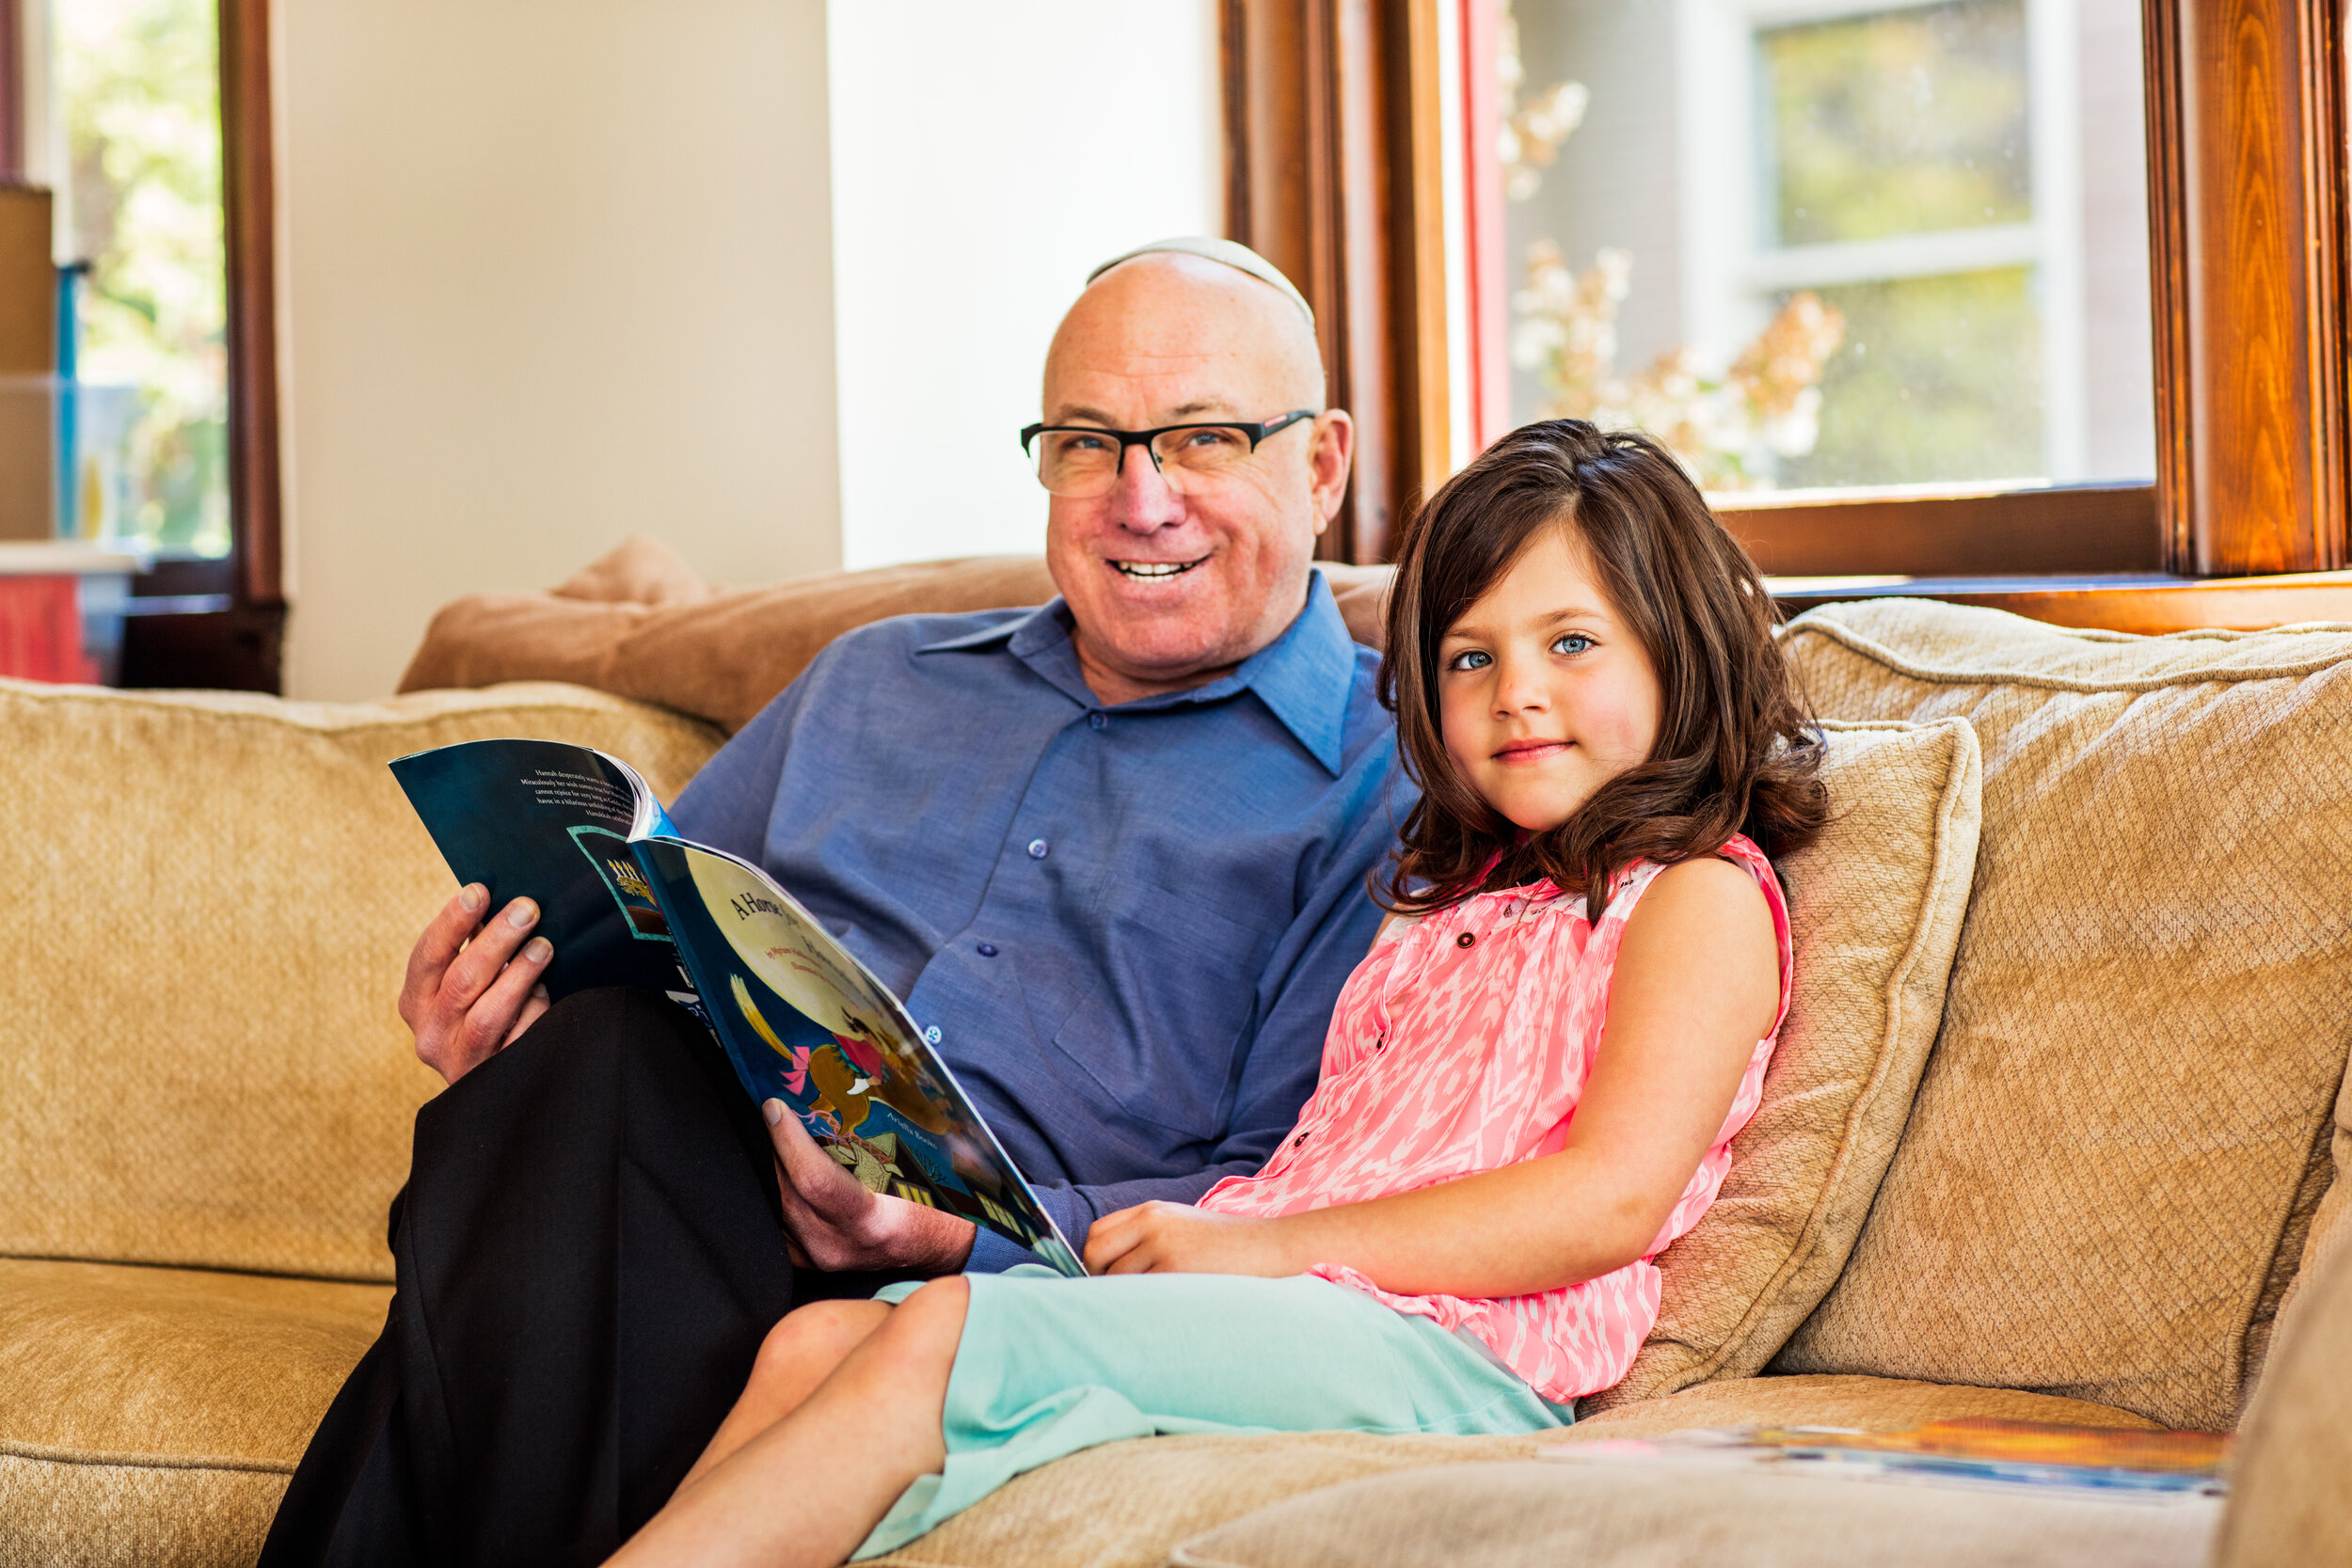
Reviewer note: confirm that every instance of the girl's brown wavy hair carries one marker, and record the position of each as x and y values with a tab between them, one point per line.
1736	750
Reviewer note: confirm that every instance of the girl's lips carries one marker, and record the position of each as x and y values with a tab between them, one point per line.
1530	750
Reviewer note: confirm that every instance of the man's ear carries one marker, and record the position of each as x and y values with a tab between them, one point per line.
1334	450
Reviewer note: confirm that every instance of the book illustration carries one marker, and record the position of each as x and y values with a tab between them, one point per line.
808	1025
627	902
1973	1450
609	853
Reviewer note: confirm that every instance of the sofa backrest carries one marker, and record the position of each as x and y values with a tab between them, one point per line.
2120	1148
200	1058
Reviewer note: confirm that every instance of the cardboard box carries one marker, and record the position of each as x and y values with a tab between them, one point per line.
29	284
28	363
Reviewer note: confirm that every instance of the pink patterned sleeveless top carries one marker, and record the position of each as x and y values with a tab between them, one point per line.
1462	1043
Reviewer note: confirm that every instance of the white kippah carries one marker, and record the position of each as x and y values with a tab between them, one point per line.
1234	254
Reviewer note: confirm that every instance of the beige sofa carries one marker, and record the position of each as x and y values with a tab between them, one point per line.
2055	1132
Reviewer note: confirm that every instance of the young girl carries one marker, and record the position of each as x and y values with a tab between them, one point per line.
1529	1088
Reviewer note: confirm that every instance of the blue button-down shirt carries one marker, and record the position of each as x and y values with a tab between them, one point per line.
1128	924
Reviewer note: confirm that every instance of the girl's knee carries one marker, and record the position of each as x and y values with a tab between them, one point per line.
933	1316
823	1331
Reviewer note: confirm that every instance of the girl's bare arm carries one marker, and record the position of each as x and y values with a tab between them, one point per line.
1696	985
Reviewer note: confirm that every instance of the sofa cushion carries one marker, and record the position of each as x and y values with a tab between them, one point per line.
200	1060
1875	910
153	1415
639	623
2120	1142
1665	1515
1125	1505
2295	1462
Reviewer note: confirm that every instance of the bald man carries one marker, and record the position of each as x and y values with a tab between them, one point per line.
1112	851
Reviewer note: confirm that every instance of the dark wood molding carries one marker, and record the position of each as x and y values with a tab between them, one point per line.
1957	533
2247	207
1333	148
249	195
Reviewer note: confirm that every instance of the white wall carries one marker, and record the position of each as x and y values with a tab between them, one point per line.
985	157
553	272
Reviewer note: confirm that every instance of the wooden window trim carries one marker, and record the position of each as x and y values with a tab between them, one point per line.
2248	200
221	623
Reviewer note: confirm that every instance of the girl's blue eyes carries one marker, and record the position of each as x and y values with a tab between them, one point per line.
1567	642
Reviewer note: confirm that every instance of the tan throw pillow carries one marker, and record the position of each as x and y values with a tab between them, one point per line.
1875	910
639	623
201	1059
2120	1142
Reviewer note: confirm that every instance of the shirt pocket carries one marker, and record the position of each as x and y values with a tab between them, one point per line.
1179	997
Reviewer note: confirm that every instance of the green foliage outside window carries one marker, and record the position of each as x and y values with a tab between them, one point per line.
139	83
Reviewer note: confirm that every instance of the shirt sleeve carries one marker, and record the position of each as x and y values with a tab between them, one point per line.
1333	932
728	803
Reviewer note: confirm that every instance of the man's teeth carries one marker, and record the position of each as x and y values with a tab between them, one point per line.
1154	571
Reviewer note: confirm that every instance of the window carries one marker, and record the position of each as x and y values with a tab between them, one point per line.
1829	244
143	423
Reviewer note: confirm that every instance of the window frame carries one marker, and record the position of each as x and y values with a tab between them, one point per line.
1336	173
221	622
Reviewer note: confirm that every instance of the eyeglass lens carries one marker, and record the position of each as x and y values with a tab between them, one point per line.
1082	464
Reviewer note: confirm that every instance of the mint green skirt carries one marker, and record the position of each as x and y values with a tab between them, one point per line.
1050	1365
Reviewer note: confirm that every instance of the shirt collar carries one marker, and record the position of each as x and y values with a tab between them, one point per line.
1305	676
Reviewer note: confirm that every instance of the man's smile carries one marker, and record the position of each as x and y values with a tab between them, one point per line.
1156	571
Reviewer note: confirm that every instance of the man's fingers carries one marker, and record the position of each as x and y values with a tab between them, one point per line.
534	1007
828	1188
497	1015
486	957
444	936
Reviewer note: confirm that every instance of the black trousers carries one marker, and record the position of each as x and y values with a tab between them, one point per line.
586	1260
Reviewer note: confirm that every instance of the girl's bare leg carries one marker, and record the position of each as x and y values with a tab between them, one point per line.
799	1353
805	1492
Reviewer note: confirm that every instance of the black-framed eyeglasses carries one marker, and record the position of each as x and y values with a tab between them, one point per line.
1081	462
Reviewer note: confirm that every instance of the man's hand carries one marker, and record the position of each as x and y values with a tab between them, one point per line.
1177	1237
833	1223
469	992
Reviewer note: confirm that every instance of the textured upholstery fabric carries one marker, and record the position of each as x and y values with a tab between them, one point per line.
1125	1505
1539	1516
151	1416
1875	909
641	624
2122	1137
200	1060
2290	1500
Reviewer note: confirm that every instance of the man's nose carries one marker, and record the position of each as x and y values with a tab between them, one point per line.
1143	499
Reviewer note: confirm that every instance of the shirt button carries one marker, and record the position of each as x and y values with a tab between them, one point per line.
988	950
1464	939
930	1036
1095	720
1036	848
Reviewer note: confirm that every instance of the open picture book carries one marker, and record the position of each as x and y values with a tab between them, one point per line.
627	902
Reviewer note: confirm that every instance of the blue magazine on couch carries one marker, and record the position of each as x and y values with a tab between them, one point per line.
627	902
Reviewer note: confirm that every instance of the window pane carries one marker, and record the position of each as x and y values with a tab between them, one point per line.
1830	243
1899	122
138	85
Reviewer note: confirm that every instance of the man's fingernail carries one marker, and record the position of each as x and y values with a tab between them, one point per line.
773	1111
537	949
473	896
522	913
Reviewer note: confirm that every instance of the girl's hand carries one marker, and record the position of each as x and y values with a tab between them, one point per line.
1177	1237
